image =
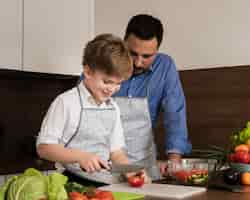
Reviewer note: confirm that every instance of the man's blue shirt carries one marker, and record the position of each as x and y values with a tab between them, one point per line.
162	86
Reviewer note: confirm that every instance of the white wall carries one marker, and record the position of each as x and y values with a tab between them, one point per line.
198	33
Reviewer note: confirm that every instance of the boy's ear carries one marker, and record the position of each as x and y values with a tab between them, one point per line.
87	71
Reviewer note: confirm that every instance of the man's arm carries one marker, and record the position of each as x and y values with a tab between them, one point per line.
175	124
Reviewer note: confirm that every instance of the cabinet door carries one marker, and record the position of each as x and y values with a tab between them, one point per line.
10	34
55	33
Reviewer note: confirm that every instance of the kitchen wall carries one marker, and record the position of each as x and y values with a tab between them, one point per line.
25	97
198	33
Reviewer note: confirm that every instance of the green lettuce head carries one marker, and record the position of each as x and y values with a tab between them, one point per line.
28	188
33	185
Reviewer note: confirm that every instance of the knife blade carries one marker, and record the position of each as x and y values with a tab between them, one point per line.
125	168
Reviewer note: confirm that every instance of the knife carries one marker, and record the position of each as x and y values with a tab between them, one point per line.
125	168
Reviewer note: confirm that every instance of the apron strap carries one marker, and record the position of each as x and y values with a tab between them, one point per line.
79	121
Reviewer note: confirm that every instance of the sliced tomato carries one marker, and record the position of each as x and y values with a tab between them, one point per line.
77	196
104	195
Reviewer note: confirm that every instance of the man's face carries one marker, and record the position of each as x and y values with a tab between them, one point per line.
143	52
101	85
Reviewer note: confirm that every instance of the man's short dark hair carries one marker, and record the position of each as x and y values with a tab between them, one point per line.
145	27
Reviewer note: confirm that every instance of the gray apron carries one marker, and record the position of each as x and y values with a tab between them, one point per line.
93	135
138	132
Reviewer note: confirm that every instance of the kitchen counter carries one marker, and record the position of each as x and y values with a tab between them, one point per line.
212	194
169	192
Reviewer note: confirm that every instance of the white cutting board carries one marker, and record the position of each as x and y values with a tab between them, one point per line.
157	190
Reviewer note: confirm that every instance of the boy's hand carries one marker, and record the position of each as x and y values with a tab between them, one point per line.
91	162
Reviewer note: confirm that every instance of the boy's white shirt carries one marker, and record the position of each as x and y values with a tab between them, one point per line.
64	113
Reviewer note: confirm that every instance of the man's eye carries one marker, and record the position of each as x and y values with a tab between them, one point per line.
147	55
133	53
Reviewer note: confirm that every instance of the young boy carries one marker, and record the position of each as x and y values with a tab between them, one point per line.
82	125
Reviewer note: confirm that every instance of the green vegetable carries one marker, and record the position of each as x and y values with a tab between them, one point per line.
4	188
33	185
28	188
75	187
197	179
56	182
32	172
242	136
214	153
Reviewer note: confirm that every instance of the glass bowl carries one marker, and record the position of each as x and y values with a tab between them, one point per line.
241	167
191	171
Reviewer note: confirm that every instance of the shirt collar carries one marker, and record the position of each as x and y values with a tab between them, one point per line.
152	66
89	99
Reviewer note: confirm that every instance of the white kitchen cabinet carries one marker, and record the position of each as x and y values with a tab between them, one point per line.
55	33
10	34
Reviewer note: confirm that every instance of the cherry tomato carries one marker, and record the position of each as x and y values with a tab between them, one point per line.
136	181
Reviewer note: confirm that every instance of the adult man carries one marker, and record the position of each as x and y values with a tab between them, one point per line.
155	77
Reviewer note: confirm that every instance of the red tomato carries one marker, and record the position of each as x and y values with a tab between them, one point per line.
242	157
198	171
103	195
136	181
77	196
182	175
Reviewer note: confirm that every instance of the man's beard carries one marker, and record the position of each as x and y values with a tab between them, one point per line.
138	70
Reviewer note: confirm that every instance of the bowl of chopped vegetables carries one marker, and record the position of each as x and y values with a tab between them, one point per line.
191	171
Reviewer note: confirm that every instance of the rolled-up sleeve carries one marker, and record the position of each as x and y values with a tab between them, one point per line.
53	124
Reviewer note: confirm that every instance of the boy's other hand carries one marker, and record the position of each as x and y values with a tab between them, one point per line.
141	173
91	162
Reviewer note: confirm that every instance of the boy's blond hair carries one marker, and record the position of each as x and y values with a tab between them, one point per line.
109	54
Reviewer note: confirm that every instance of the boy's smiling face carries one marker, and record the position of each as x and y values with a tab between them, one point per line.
100	85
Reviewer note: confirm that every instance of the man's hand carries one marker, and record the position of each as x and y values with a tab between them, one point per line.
174	157
91	162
